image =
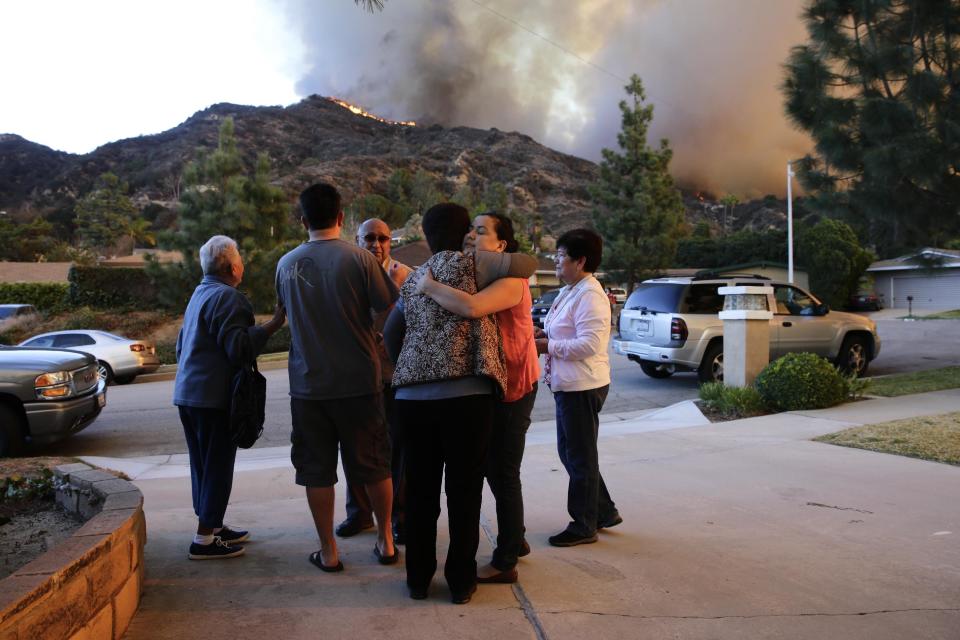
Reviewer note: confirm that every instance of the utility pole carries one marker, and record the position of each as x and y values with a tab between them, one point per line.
790	175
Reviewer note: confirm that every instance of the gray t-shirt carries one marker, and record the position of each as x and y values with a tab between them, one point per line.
329	288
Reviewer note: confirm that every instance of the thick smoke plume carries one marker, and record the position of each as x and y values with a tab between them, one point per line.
710	67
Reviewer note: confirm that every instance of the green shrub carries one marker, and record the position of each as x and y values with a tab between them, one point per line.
18	487
278	342
45	296
111	288
81	318
801	381
857	387
167	352
732	402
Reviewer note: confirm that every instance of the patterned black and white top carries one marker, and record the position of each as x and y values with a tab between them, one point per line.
440	345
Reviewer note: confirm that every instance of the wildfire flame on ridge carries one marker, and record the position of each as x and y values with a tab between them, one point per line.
360	111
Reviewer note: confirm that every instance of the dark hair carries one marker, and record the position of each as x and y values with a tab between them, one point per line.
444	226
583	243
320	205
504	229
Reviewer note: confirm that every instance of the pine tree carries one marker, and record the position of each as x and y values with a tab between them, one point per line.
105	214
222	197
878	88
637	209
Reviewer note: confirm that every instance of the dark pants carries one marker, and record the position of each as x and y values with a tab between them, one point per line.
212	454
510	423
578	423
454	434
358	502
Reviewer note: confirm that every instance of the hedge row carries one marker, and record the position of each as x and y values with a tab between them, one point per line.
45	296
111	288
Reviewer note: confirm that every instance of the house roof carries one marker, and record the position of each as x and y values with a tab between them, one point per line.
762	264
139	258
923	259
34	271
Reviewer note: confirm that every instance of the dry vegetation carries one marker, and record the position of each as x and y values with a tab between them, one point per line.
935	438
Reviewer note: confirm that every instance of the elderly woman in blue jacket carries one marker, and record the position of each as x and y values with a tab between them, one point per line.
218	337
577	369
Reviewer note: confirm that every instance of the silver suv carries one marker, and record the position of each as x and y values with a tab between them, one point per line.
672	324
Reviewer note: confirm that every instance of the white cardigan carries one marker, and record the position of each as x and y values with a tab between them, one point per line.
578	326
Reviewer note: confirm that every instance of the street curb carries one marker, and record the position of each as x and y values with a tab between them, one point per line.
266	362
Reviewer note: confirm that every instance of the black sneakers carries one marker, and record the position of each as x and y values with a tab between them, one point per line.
610	521
216	550
567	538
230	536
351	527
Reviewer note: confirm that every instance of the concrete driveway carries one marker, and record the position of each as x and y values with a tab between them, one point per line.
736	530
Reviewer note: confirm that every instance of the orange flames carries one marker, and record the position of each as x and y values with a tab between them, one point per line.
366	114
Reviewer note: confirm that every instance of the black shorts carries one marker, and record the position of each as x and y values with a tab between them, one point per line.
357	425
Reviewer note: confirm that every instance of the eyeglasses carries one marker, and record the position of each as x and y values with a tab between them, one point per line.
372	237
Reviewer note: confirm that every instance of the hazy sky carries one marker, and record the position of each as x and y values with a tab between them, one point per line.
79	74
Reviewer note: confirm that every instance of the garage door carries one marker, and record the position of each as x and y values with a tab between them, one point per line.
929	292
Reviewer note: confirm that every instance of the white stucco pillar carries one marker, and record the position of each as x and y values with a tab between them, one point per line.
746	333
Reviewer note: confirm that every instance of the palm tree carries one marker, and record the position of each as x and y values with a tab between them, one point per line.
370	5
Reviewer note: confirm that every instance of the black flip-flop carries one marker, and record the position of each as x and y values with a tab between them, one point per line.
382	559
317	561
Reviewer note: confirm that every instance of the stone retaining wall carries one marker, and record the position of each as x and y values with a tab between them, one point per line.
87	587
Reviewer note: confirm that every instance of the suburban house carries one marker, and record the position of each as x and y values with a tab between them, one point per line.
930	276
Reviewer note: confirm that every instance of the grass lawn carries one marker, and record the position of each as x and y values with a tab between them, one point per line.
935	438
942	315
900	384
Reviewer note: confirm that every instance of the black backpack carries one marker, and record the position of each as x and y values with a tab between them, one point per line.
247	408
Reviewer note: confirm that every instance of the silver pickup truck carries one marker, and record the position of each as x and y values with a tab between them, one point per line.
46	395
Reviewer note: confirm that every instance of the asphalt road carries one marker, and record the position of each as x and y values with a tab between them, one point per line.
139	419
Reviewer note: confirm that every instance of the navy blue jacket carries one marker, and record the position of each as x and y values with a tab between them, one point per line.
218	336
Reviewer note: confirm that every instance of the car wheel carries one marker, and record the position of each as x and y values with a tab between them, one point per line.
854	356
655	370
124	379
11	432
711	369
106	373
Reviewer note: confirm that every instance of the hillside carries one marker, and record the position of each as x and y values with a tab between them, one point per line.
317	139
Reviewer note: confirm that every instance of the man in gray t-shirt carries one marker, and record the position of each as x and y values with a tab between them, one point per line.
329	288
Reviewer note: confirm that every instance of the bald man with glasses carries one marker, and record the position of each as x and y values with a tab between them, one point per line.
374	236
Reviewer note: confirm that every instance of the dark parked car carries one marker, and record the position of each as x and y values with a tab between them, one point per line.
46	395
865	302
541	306
8	311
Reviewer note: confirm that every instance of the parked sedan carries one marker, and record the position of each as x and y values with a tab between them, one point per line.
8	311
120	359
865	302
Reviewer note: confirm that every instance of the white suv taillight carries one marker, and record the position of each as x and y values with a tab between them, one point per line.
678	330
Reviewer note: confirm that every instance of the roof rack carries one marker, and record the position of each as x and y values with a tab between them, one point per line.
715	275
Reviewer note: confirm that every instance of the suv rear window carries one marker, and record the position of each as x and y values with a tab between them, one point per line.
656	296
703	298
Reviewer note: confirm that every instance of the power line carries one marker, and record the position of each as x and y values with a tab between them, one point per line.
549	41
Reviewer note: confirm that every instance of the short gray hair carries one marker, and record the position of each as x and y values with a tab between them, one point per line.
217	254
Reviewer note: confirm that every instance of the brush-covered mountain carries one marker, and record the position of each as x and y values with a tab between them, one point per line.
319	139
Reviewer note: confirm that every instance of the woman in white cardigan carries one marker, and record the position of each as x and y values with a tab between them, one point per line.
577	370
